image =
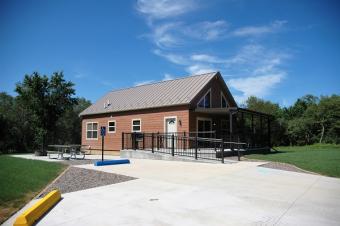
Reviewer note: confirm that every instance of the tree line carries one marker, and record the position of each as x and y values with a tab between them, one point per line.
46	111
309	120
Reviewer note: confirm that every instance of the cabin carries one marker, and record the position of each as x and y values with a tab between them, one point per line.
188	109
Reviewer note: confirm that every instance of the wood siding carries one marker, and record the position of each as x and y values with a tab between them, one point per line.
152	120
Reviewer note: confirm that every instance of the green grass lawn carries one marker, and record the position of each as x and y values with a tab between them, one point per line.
320	158
22	179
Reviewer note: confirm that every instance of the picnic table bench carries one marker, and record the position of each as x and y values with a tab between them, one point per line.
71	151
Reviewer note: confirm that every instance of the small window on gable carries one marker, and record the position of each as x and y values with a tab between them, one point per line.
112	126
224	103
136	125
205	101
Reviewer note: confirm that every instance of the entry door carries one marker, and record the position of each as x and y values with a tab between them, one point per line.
170	128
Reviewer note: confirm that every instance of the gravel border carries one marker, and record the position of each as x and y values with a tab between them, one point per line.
76	179
286	167
275	165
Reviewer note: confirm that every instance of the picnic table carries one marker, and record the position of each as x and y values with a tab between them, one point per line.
69	151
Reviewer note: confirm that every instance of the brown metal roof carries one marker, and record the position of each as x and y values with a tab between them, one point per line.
161	94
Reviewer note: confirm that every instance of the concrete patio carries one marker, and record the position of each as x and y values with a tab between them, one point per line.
187	193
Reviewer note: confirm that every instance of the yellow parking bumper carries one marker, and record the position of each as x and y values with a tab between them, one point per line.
38	209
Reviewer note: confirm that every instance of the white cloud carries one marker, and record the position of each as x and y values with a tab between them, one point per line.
246	55
174	34
160	9
251	60
256	71
208	30
167	77
206	58
259	30
140	83
269	65
257	59
258	86
164	37
196	69
252	70
173	58
195	64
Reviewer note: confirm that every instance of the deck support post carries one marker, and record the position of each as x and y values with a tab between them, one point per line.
134	141
196	144
143	140
122	140
152	142
157	141
222	151
173	145
184	141
230	127
252	131
269	133
243	125
261	132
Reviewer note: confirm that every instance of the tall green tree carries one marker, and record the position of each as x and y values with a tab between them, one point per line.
45	100
300	124
6	121
15	131
300	106
325	117
68	127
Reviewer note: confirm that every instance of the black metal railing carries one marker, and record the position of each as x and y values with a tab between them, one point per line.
180	144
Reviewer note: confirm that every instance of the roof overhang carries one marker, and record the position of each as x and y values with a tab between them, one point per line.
216	111
223	111
108	112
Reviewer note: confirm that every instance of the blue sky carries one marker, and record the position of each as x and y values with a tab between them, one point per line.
276	50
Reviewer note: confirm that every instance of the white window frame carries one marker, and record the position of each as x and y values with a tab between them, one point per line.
223	96
92	130
169	117
209	90
140	125
108	126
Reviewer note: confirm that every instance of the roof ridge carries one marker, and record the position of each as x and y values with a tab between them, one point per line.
156	82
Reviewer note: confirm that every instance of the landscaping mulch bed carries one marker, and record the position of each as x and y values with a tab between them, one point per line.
76	179
284	166
274	165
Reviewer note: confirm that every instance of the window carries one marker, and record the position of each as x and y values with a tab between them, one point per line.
205	101
136	125
111	126
223	101
204	127
92	130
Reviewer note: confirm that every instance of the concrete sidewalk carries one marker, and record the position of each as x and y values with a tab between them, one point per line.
185	193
